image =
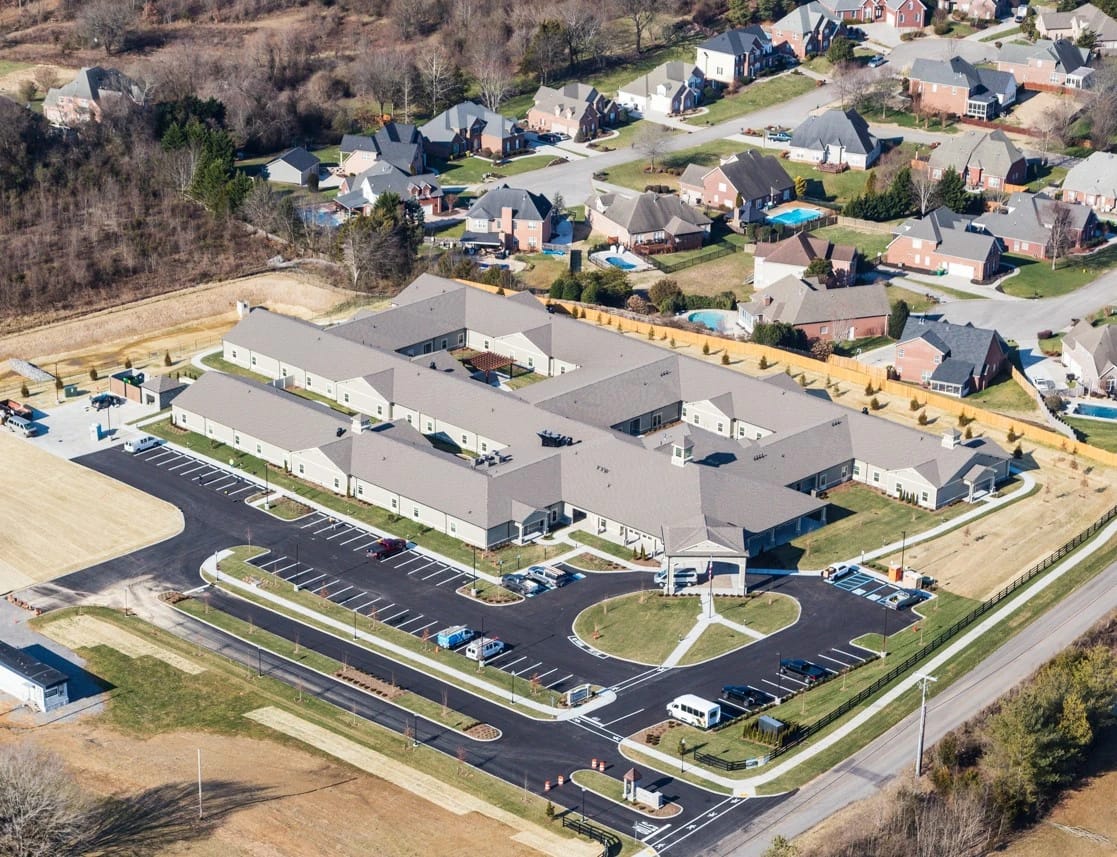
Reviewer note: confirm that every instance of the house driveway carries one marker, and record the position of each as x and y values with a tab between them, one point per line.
880	34
906	53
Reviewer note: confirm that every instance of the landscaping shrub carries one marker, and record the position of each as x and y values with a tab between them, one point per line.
875	404
923	418
914	404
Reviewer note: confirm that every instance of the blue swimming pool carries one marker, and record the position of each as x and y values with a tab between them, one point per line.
719	320
554	252
1102	412
795	216
618	262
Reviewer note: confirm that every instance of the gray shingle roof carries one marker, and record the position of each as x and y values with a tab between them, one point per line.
93	82
835	127
674	75
991	151
384	177
804	19
957	72
648	212
1067	57
461	117
737	42
299	158
1029	216
1087	16
1097	174
965	343
1099	342
795	301
525	204
755	175
161	383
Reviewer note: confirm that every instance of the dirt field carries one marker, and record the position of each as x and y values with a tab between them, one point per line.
264	800
9	83
181	323
57	517
80	632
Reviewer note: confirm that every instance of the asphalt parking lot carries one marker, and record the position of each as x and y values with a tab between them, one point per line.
199	472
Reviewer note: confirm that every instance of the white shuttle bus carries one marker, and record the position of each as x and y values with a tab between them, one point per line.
695	711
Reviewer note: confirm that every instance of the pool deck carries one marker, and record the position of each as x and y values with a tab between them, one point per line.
601	259
1075	412
775	214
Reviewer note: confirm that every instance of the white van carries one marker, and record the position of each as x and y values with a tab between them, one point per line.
683	577
695	711
21	426
141	444
484	648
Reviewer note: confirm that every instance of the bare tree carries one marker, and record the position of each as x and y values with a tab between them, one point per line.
1054	123
923	189
581	22
42	812
435	70
376	73
1101	104
45	78
407	92
494	80
850	79
1059	233
651	140
641	13
106	23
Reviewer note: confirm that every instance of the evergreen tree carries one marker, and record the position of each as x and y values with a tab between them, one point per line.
952	191
898	318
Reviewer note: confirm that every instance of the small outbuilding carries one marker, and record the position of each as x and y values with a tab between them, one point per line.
31	681
157	390
295	166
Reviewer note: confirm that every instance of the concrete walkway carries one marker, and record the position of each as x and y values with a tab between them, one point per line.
707	616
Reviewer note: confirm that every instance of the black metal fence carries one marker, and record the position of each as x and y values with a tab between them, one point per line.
611	844
908	663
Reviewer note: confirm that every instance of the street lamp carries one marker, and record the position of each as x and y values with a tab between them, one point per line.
682	753
923	679
884	636
903	545
779	673
583	803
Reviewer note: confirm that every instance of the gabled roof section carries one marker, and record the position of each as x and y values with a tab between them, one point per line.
525	204
1066	56
1099	342
93	82
754	175
795	301
674	75
963	341
299	158
804	19
990	151
649	212
462	117
1097	174
737	42
845	128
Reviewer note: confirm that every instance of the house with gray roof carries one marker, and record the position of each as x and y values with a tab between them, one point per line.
1093	182
956	87
1090	354
986	160
745	184
648	219
839	314
1072	25
469	127
85	98
397	143
833	138
736	55
945	241
955	359
806	30
671	88
358	194
576	109
295	166
509	218
1024	224
790	257
1047	64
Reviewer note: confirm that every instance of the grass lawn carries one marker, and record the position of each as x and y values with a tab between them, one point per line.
599	783
287	509
1035	279
593	562
910	120
8	66
727	743
626	133
720	275
594	541
454	230
1002	36
1097	433
468	171
959	30
765	612
642	626
866	343
216	361
524	380
757	95
819	64
1045	175
1005	395
542	269
917	301
869	243
859	519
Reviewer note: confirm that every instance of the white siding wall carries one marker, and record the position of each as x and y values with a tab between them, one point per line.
359	396
16	685
312	465
704	415
766	273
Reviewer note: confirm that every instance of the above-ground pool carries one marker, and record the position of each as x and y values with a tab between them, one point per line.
795	216
1101	412
719	320
618	262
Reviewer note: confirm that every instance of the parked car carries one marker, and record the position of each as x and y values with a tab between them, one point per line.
834	573
901	599
810	673
877	61
549	577
521	584
779	136
742	694
386	548
549	138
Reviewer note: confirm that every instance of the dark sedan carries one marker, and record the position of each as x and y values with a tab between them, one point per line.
808	672
386	548
742	694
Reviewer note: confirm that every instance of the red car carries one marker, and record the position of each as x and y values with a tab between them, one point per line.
386	548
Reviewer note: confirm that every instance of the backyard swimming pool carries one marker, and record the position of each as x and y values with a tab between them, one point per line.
618	262
719	320
1101	412
795	216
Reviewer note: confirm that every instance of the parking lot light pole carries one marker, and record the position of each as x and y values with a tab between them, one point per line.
682	753
903	544
923	679
884	636
779	673
583	803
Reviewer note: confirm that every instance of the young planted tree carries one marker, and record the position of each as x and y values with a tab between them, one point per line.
651	141
1059	239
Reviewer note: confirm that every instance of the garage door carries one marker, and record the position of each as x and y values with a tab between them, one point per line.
960	270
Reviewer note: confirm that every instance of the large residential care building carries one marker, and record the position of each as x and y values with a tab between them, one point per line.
632	442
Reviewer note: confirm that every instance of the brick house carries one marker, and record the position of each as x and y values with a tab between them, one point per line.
1093	182
85	98
985	160
1050	65
577	110
791	257
1024	226
956	87
1072	25
1090	353
468	127
899	14
508	218
830	315
744	183
945	241
835	137
397	143
736	55
805	31
955	359
358	194
671	88
648	219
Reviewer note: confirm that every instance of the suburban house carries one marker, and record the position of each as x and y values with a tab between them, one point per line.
577	110
955	359
359	193
1024	226
1093	182
295	166
469	127
956	87
745	183
834	138
671	88
398	144
657	222
986	10
1090	353
791	257
899	14
704	451
986	160
736	55
905	14
945	241
509	218
1072	25
805	30
85	98
1048	65
830	315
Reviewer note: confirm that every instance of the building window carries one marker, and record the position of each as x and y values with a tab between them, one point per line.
857	470
360	490
345	397
721	428
337	484
463	438
876	476
253	359
236	439
430	426
309	382
824	329
234	353
453	527
257	449
461	339
380	410
484	446
994	181
444	344
924	497
409	419
900	351
302	470
415	512
696	422
394	503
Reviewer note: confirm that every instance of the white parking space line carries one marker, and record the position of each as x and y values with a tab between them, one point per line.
624	717
542	676
307	583
409	621
414	556
396	616
208	472
418	631
365	545
788	678
361	607
506	666
351	598
528	669
441	570
306	570
154	452
359	535
284	568
835	660
181	464
326	528
317	519
780	687
427	563
560	681
275	561
448	579
248	487
334	595
849	655
193	469
221	482
339	533
174	456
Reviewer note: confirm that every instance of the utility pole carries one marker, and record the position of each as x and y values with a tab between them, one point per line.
923	679
199	784
903	545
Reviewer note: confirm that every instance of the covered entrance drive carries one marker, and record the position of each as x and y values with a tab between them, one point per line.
529	521
704	543
980	481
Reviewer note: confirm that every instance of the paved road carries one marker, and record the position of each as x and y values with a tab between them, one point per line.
863	774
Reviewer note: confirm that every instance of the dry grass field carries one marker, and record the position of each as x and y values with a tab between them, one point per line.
57	516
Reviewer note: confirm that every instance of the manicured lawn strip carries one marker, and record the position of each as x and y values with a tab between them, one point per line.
216	361
594	541
310	395
726	743
641	626
1034	278
270	642
757	95
632	174
715	641
151	697
542	269
599	783
764	612
287	509
1006	395
859	519
469	170
917	301
496	561
455	230
870	244
490	593
910	120
1047	175
593	562
525	380
1095	432
626	134
1005	35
